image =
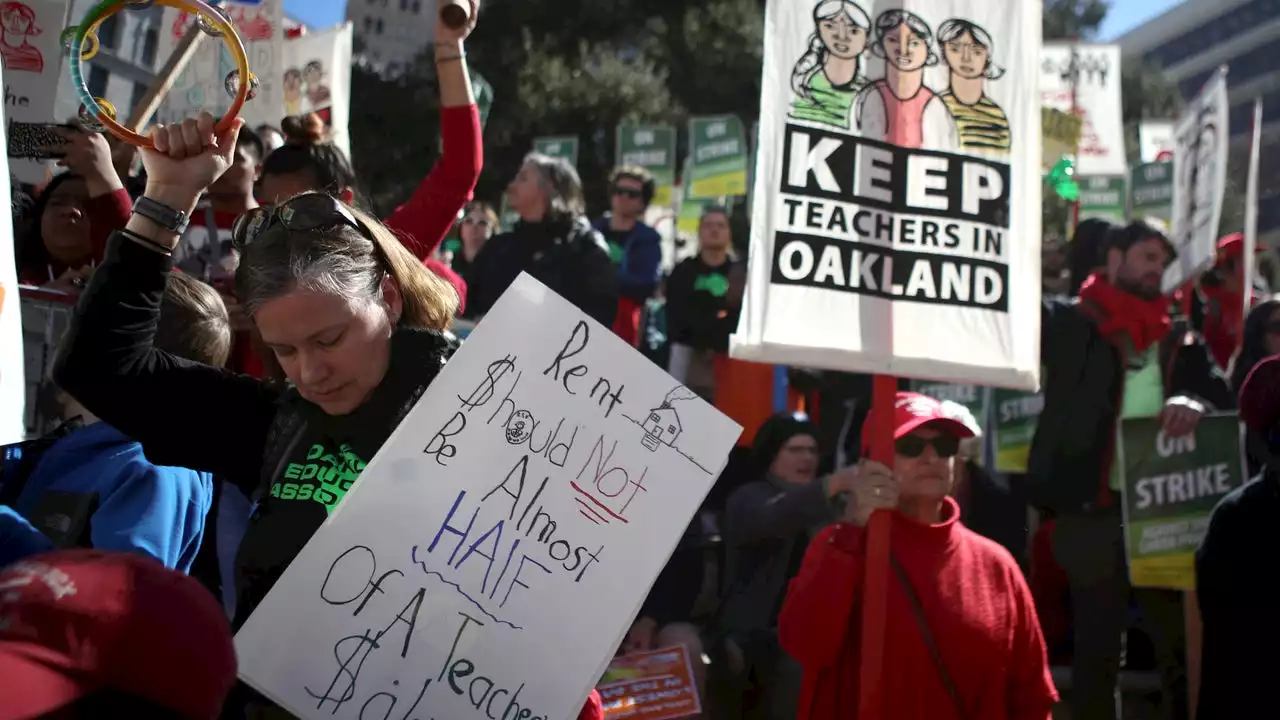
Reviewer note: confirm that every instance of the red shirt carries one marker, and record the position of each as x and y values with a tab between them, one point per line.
427	216
978	608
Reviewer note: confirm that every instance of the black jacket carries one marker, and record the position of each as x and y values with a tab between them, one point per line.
1238	591
699	313
570	257
276	447
1082	382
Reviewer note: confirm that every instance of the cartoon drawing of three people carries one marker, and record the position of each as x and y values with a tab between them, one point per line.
899	108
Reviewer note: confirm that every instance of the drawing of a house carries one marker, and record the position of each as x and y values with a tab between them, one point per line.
661	426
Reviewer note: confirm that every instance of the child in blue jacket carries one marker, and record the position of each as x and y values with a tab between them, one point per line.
89	485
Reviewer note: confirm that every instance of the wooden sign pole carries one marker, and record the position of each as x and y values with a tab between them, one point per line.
182	54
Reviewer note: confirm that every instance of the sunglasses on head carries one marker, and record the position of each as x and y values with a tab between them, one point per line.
628	193
913	446
304	213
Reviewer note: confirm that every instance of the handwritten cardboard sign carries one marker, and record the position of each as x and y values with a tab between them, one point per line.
33	65
489	559
655	685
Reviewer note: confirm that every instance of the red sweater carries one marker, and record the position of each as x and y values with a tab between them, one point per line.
427	216
978	608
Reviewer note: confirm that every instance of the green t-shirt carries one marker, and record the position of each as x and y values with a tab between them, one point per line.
826	103
1143	398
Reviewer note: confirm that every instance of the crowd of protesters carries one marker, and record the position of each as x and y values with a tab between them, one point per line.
241	276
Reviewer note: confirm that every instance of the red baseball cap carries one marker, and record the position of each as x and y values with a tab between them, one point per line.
1232	246
912	410
73	622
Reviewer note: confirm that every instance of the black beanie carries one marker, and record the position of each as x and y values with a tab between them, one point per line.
774	433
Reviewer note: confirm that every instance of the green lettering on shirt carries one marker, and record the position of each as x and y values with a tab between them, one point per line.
325	477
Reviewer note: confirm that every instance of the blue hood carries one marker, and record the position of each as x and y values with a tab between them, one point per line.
98	483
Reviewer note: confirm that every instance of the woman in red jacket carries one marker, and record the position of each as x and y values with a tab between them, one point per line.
961	639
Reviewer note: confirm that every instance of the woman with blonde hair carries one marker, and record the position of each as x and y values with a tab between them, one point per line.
352	317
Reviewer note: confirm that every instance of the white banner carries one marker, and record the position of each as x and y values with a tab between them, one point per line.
490	558
896	220
33	63
12	382
1199	181
202	84
317	78
1155	140
1086	78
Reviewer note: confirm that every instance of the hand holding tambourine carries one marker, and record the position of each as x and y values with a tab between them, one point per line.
81	43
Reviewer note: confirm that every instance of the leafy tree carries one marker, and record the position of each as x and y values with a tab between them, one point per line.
576	67
1073	19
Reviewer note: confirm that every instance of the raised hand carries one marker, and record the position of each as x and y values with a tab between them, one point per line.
188	156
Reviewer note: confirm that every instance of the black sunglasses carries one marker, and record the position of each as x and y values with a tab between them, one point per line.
913	446
304	213
628	193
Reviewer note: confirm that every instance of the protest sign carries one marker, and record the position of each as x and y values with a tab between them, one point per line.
33	64
652	147
12	384
1199	181
1155	140
316	78
654	685
1085	80
491	556
717	157
876	243
1103	198
560	146
203	86
1171	486
1151	191
1059	136
1017	414
971	396
689	216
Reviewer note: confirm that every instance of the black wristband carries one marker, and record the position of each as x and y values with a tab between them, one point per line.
146	242
175	221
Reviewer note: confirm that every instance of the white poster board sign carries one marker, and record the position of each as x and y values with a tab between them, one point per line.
202	84
1199	181
33	62
12	383
1086	78
499	545
317	79
1155	140
898	201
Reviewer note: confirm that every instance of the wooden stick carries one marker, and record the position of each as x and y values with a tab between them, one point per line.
182	54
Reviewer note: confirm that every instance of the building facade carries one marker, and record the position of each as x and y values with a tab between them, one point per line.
1190	42
389	34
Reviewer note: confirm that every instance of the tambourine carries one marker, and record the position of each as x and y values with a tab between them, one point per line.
99	115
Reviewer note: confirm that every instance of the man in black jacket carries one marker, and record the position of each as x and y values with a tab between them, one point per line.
1113	352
